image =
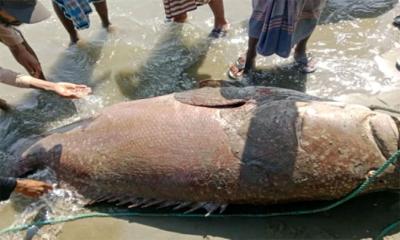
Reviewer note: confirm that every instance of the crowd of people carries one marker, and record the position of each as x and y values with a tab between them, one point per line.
275	27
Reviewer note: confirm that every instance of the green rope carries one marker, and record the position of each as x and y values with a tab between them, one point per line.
354	193
388	229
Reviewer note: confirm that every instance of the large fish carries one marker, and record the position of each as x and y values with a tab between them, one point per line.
216	146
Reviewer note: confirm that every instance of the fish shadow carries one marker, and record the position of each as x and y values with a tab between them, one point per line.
285	76
171	65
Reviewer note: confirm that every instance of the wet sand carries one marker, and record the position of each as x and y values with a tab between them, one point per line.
147	57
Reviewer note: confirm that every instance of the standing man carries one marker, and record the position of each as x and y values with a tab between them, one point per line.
26	187
275	27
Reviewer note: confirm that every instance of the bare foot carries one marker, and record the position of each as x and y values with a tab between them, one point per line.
74	38
111	28
82	43
74	41
306	62
222	25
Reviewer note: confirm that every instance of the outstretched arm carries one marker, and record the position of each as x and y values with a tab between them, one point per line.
68	90
32	188
26	187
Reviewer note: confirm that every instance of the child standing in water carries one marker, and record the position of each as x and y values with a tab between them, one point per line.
275	27
177	11
74	14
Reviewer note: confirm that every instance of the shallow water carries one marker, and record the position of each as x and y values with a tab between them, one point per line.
355	44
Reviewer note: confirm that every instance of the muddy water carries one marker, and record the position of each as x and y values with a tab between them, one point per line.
356	47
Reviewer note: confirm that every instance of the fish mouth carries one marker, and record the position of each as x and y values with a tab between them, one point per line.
385	131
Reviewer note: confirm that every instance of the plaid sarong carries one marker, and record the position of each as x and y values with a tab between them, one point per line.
280	24
77	11
176	7
272	22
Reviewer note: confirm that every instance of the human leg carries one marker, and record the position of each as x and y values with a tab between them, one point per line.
306	63
251	54
244	65
177	10
102	10
301	47
217	7
68	25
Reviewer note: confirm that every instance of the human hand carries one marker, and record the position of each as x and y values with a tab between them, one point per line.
71	90
27	60
32	188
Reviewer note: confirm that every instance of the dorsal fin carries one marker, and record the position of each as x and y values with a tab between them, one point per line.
235	96
208	97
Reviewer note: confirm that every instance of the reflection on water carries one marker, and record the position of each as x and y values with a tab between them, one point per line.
147	57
